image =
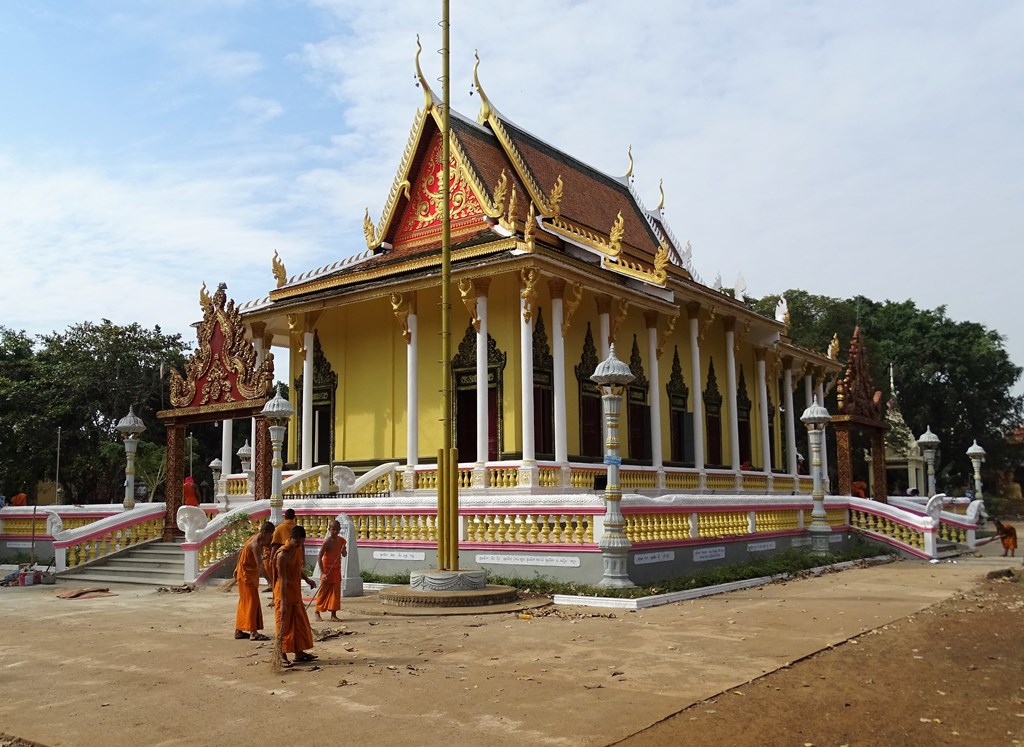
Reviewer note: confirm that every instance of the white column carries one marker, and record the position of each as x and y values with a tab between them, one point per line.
482	417
730	385
558	343
654	393
412	442
808	398
762	406
604	329
787	382
307	402
227	455
698	393
526	375
824	444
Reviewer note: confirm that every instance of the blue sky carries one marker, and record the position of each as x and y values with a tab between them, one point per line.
147	147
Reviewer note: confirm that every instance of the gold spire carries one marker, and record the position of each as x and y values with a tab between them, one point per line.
428	96
280	274
661	188
369	231
486	110
629	171
204	297
555	198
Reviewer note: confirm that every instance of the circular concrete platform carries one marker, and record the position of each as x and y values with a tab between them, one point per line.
406	596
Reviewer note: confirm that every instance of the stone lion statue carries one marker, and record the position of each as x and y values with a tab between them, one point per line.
191	520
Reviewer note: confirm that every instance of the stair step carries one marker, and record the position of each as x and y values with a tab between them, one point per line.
140	570
151	561
111	578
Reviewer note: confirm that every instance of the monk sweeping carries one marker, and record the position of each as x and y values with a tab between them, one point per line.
328	598
249	617
281	535
294	634
1008	535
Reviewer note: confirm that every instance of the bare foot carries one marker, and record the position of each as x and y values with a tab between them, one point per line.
335	618
318	618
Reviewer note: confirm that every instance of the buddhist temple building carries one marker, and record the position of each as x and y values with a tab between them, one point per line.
554	262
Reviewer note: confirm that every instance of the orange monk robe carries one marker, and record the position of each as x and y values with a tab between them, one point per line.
290	614
249	615
1008	535
19	500
328	597
283	532
190	493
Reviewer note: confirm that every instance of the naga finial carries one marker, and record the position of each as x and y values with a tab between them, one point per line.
661	189
428	95
277	266
486	109
368	230
629	171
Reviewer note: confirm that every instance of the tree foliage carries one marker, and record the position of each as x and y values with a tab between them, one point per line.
953	376
83	381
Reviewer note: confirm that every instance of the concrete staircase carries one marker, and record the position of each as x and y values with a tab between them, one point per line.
945	549
153	564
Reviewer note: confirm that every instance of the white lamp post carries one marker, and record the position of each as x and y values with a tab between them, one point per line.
130	426
245	456
816	418
612	375
216	467
977	456
278	412
929	444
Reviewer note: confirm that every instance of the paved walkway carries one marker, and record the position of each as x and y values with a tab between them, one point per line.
150	668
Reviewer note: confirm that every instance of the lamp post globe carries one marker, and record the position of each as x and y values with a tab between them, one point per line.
977	455
130	426
277	412
816	417
928	442
612	376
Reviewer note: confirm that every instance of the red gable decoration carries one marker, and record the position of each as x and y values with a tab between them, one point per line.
223	369
421	219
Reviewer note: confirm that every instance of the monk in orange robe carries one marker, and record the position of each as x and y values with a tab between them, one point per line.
281	535
334	548
294	634
1008	535
190	492
249	617
19	500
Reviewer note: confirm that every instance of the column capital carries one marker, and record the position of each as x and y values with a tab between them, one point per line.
651	318
604	303
556	287
729	322
760	353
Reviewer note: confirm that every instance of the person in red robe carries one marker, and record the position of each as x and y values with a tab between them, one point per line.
190	492
1008	536
249	616
334	548
294	633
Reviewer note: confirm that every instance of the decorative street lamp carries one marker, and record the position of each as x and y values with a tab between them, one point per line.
612	375
216	467
816	418
277	412
929	444
977	456
130	426
245	456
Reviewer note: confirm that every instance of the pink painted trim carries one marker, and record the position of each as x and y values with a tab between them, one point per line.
261	514
373	512
16	537
43	510
393	544
742	507
526	547
535	511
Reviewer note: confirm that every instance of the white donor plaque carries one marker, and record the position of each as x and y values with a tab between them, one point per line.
800	541
398	555
760	546
663	556
836	538
562	561
708	553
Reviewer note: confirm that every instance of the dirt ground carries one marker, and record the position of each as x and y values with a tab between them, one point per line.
900	654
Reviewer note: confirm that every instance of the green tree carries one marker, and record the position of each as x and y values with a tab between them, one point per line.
953	376
82	380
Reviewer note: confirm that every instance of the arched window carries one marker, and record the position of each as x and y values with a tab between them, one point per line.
464	401
680	419
743	407
713	417
543	392
590	400
638	410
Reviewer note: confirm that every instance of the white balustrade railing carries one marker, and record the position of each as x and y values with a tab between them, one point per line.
99	539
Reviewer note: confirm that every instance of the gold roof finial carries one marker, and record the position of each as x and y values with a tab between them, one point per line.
629	171
369	231
486	110
661	188
280	274
204	297
428	95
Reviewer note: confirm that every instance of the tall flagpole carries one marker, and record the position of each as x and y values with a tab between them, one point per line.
448	464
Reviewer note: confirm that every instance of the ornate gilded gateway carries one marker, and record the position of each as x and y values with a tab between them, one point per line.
223	369
860	414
